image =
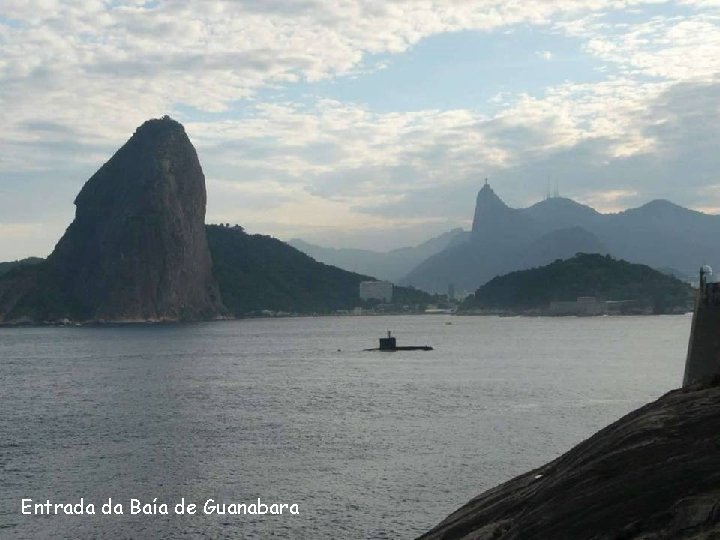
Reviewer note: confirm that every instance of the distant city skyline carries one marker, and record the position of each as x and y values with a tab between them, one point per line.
360	124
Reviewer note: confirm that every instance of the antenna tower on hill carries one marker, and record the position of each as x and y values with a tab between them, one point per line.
553	192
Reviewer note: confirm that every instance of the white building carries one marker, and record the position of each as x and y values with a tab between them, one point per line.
376	290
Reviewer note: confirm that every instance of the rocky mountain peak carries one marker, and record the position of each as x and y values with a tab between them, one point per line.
137	248
488	195
488	207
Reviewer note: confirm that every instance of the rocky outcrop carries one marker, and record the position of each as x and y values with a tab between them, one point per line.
654	474
136	250
492	217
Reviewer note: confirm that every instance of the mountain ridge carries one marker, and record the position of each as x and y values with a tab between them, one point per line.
391	265
660	234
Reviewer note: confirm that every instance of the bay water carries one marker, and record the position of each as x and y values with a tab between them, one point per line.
367	444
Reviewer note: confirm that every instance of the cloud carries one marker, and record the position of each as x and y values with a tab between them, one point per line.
78	62
19	230
76	78
610	200
672	48
609	145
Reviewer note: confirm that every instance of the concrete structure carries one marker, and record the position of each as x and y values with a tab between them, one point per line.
389	343
451	292
376	290
703	358
584	305
589	305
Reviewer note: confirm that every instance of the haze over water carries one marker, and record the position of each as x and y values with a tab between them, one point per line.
370	445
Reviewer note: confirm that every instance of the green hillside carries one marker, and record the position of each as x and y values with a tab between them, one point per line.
257	272
595	275
5	267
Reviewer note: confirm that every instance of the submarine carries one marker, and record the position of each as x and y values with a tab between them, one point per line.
389	344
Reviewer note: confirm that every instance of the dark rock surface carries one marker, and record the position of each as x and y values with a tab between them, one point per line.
137	249
654	474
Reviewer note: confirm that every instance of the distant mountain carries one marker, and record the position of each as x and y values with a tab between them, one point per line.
505	239
390	265
558	244
660	234
559	213
595	275
257	272
663	234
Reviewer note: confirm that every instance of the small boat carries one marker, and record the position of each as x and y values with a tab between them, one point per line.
389	344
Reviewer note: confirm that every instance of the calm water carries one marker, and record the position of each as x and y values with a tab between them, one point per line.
370	445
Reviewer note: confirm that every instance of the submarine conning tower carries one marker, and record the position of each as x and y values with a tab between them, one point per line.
388	343
703	358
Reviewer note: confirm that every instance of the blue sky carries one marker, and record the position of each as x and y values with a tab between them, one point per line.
354	123
465	69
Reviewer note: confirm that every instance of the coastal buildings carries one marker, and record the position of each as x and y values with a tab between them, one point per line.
584	305
590	305
376	290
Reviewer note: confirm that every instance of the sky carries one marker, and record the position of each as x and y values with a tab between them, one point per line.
358	123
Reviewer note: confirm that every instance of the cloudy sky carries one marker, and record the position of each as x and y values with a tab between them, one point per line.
357	122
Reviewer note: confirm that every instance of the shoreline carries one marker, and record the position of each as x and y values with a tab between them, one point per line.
177	322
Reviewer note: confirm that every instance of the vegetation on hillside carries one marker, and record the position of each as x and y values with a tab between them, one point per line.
257	272
32	293
5	267
600	276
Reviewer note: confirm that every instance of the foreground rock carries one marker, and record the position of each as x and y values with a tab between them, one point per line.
137	249
654	474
